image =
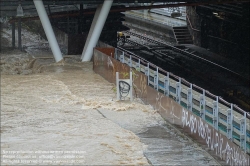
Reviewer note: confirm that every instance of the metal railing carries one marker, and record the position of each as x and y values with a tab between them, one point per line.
225	117
191	24
154	22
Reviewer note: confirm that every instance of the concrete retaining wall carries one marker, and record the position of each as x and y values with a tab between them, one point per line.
217	144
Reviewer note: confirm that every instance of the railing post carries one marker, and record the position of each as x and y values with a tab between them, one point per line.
138	65
131	85
13	35
215	113
117	87
243	132
203	105
190	98
230	123
116	53
121	58
147	72
156	79
166	85
130	61
178	91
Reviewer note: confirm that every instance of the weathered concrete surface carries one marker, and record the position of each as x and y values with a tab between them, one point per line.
165	144
167	147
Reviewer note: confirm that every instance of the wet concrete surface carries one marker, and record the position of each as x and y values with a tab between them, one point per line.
164	143
168	147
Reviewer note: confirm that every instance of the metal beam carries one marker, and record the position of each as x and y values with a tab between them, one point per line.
94	2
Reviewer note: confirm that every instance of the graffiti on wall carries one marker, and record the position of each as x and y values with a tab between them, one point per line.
217	142
166	106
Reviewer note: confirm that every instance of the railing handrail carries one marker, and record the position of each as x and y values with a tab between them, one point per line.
177	77
191	24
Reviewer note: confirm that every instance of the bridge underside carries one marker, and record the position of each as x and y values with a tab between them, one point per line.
74	17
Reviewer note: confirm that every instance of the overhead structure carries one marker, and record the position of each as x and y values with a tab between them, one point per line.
48	30
58	6
76	8
96	29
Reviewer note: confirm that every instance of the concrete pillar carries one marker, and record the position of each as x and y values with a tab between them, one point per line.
13	35
97	29
97	13
48	30
19	34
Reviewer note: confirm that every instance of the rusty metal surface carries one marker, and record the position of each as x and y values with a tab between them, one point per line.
187	122
108	51
107	66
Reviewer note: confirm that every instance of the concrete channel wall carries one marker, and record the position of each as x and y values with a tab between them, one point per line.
174	112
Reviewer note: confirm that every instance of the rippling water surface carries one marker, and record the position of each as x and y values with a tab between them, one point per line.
48	107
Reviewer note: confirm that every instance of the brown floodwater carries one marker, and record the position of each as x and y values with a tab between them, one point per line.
65	114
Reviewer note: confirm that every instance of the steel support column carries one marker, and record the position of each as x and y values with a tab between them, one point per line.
13	34
80	24
1	27
19	34
48	30
97	29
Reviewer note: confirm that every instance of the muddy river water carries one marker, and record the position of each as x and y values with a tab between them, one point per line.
65	114
70	108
